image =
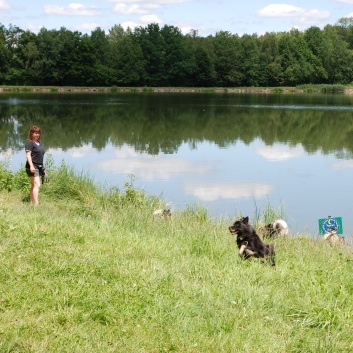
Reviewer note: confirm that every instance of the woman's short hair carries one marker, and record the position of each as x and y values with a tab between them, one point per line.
33	130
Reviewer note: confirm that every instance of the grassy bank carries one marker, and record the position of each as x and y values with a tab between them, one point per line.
92	270
319	88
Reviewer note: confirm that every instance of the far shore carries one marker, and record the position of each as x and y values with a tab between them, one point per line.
234	90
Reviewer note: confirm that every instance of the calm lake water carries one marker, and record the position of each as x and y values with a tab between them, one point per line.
231	153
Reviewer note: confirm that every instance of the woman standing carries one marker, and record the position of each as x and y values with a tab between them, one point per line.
35	158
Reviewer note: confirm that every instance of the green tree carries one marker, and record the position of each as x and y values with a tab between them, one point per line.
270	60
69	59
315	40
250	61
204	71
345	30
4	63
103	73
153	48
49	45
127	57
190	41
297	60
65	58
227	51
175	56
14	58
86	61
28	53
336	57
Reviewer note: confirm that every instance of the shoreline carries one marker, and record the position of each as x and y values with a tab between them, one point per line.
231	90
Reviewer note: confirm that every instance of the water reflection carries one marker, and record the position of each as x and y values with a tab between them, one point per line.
153	123
280	152
151	168
213	192
342	165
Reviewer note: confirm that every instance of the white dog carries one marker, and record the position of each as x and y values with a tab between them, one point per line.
278	227
333	238
162	213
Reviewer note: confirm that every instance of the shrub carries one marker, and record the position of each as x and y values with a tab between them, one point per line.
6	178
128	196
337	88
66	183
22	183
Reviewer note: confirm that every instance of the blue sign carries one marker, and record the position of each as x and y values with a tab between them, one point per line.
330	224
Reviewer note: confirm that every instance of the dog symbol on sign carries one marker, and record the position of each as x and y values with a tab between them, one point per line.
330	225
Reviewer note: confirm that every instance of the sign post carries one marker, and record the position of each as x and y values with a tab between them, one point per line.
330	224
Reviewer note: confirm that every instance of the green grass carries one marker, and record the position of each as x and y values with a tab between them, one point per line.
96	272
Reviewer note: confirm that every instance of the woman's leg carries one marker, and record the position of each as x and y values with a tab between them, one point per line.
34	193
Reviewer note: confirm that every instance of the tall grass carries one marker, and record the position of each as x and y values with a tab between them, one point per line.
91	270
268	214
323	88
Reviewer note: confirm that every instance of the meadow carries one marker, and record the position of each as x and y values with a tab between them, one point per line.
91	270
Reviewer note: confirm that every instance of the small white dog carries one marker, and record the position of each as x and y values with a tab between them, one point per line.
162	213
278	227
333	238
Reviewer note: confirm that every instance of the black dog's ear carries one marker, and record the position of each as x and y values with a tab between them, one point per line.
245	220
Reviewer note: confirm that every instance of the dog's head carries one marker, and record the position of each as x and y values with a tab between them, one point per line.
239	226
162	213
167	213
268	227
269	230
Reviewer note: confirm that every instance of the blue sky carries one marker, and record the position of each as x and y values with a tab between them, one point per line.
205	16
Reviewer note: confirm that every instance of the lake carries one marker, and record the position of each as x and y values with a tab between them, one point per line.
231	153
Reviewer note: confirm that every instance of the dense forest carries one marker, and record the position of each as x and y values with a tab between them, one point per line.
157	56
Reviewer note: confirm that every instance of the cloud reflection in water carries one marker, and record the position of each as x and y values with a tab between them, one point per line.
151	167
342	165
212	192
280	152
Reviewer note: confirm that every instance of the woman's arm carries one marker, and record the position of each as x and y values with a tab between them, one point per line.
29	159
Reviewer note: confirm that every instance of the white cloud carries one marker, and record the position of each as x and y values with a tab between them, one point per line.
86	27
299	14
312	17
33	28
151	19
74	9
280	153
4	5
152	6
280	10
155	2
343	164
140	7
129	10
345	1
212	192
186	29
130	24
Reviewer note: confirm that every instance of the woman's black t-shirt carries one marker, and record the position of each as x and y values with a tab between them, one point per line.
37	152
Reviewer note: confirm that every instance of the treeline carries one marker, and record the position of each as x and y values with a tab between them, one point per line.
157	56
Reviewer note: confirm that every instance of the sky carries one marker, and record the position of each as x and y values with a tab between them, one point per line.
207	17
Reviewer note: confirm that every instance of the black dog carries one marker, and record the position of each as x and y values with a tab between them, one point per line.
249	243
